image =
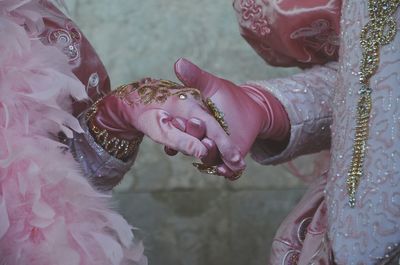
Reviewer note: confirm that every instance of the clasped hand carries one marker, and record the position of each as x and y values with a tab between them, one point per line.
169	114
209	118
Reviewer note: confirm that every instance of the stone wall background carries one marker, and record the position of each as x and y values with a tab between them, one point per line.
185	217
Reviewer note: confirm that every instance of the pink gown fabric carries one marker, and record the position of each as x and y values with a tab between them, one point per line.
49	213
321	105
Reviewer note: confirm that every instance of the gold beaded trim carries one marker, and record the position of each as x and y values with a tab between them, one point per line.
119	148
217	114
380	30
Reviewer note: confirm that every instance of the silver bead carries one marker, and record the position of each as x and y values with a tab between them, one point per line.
94	80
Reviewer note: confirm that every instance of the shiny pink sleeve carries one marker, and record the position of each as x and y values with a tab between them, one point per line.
307	99
291	32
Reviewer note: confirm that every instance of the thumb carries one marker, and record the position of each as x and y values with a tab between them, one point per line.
192	76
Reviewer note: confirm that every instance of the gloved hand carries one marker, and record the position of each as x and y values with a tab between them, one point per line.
161	109
249	113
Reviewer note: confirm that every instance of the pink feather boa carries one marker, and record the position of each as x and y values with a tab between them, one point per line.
49	214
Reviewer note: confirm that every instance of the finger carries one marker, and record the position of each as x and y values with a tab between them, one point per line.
179	123
164	132
223	170
192	76
170	151
212	157
196	128
193	127
230	153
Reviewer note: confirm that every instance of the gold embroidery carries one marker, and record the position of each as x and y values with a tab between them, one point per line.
119	148
150	90
380	30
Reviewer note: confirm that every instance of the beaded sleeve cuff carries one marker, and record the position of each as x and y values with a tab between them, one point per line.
120	148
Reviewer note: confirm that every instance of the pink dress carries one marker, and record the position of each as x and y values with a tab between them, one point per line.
49	213
323	35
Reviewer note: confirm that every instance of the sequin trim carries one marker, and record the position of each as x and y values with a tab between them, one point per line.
380	30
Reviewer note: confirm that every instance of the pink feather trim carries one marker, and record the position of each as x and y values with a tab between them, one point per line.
49	214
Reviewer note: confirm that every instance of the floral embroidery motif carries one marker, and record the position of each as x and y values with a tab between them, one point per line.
319	36
67	39
252	12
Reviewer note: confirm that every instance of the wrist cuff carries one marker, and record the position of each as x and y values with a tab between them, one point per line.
276	124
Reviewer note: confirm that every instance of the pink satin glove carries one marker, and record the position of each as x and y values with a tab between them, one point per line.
249	112
169	114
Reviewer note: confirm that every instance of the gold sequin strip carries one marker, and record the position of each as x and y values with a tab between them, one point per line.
380	30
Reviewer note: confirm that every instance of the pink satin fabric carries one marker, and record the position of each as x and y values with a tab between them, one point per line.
291	32
277	123
301	239
63	33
